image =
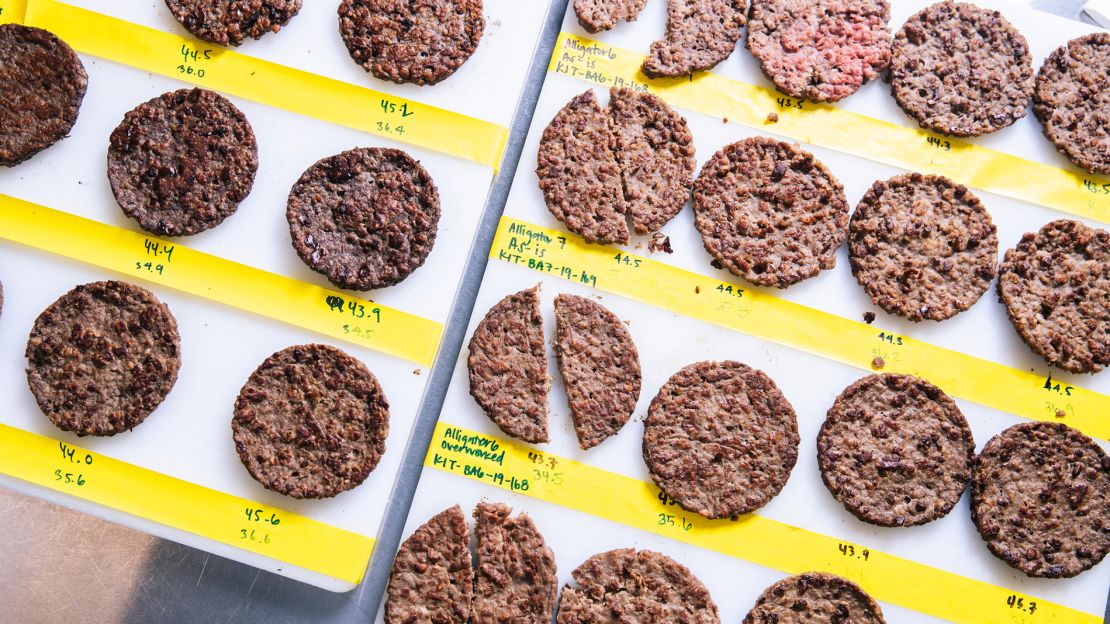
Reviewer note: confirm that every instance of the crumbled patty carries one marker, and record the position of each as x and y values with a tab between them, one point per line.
181	163
102	357
961	70
516	576
922	246
720	439
366	218
311	422
1040	497
895	450
600	367
42	84
432	578
700	34
598	15
507	366
770	212
1072	101
1055	285
820	50
420	41
815	598
643	586
230	22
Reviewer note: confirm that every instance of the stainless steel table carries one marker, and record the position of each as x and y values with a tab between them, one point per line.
57	565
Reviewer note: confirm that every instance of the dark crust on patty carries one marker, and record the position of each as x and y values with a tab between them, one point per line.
598	15
579	175
102	357
1040	497
600	367
1072	101
700	34
365	218
432	577
820	50
311	422
181	163
655	151
922	246
420	41
516	576
720	439
507	366
1056	286
895	450
961	70
770	212
815	598
42	84
642	586
230	22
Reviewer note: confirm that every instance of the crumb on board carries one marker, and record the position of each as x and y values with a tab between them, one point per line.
772	118
417	372
868	317
725	119
878	363
660	242
1060	413
697	290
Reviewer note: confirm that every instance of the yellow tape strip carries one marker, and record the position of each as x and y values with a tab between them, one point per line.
12	11
296	91
851	133
170	264
228	519
505	464
765	316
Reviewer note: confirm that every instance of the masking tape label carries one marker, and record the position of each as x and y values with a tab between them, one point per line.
213	67
224	518
762	315
170	264
1085	195
770	543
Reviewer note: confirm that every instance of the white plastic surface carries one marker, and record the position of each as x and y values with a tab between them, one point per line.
667	342
189	435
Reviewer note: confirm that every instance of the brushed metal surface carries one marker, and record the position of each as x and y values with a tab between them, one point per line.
58	565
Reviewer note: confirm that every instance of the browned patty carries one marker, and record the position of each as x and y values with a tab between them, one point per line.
600	367
517	579
507	366
365	218
311	422
770	212
420	41
579	175
596	166
700	34
815	598
720	439
1072	101
895	450
961	70
181	163
655	151
820	50
102	357
598	15
1040	497
1055	285
432	577
229	22
42	84
626	585
922	246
